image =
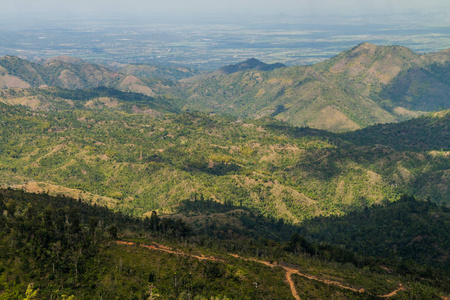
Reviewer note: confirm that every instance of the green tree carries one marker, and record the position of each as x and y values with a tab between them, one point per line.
154	221
92	225
31	293
113	230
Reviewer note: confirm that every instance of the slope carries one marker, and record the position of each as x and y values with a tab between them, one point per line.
54	247
365	85
173	73
148	163
250	64
407	230
65	73
99	98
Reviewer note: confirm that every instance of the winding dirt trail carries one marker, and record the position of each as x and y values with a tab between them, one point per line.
159	247
393	293
292	285
289	269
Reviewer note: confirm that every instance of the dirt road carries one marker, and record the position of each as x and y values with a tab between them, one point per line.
289	269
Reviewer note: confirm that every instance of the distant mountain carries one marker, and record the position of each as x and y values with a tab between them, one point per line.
362	86
65	72
99	98
63	58
146	71
250	64
365	85
393	76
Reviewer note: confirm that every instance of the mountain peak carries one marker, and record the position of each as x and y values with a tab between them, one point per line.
370	49
250	64
378	64
253	61
64	59
367	45
363	49
10	58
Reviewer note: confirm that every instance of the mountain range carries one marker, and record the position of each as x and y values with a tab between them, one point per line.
173	73
64	72
362	86
250	64
365	85
210	186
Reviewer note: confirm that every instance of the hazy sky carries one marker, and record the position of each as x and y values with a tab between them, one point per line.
293	7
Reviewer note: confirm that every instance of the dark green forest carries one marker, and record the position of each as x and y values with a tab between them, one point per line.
68	248
281	171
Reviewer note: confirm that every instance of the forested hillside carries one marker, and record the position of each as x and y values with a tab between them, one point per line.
174	73
114	186
62	248
424	133
362	86
412	230
95	99
141	163
67	73
365	85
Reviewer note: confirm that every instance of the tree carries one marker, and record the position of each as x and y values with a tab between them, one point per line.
92	225
75	221
48	222
113	230
154	221
30	293
299	243
2	204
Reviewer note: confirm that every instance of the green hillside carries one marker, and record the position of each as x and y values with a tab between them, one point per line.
226	185
407	229
62	248
250	64
141	163
108	192
362	86
365	85
68	74
424	133
143	70
95	99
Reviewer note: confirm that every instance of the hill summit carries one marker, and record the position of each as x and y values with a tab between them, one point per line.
365	85
250	64
65	72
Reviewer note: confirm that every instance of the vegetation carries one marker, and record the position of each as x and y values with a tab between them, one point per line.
149	71
69	75
363	86
193	205
96	99
408	229
141	163
424	133
252	64
58	247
